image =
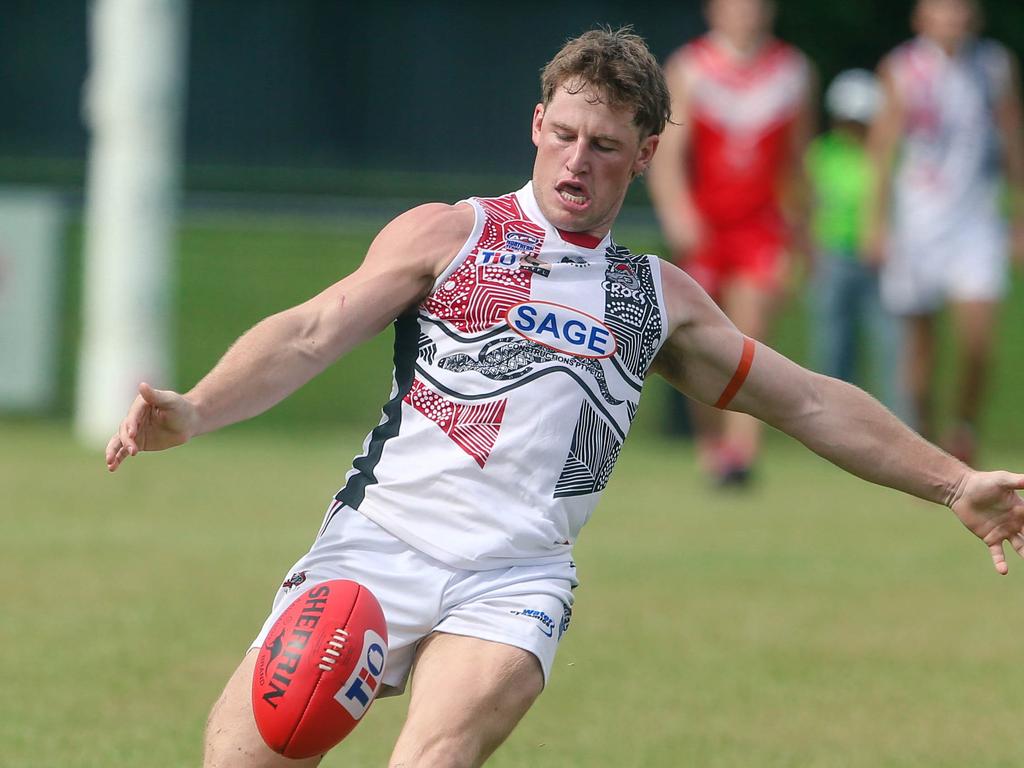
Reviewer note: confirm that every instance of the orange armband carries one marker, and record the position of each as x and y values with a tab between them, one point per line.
746	359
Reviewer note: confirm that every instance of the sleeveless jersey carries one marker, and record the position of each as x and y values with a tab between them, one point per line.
949	165
515	383
741	114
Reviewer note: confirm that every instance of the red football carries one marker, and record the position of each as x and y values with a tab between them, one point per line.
319	668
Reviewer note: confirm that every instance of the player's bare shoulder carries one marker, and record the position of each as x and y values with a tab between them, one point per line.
685	301
426	237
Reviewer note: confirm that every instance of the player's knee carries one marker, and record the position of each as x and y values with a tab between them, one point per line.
231	739
513	686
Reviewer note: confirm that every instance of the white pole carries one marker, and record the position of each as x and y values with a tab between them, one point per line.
133	107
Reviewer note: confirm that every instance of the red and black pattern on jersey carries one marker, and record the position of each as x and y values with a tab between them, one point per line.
474	428
477	295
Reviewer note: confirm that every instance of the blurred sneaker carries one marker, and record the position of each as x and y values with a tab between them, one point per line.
732	468
734	477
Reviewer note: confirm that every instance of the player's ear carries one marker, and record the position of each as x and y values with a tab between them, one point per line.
538	118
643	157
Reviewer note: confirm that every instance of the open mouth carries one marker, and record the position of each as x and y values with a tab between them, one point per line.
572	193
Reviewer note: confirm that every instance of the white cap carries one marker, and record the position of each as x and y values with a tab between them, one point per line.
853	95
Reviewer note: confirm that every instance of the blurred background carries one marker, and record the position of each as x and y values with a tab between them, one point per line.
303	127
306	125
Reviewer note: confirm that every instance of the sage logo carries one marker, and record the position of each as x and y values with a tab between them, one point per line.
562	328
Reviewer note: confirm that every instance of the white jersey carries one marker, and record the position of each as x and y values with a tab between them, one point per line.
949	167
515	383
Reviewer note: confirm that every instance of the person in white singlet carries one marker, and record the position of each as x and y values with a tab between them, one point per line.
523	335
948	132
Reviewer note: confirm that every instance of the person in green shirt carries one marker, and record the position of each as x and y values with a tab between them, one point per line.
845	301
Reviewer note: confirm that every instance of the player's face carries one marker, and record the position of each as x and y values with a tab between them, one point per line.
947	22
740	19
587	153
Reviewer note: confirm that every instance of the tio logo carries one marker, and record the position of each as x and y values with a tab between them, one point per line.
360	688
499	259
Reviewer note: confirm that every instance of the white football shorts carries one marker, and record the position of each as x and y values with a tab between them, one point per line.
967	263
527	606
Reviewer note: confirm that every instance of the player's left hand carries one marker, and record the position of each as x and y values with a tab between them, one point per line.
988	504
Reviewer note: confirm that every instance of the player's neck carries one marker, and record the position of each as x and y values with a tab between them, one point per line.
952	48
739	47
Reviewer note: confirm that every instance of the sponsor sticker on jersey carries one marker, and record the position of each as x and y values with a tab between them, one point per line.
295	580
514	260
562	328
522	243
544	622
360	688
620	280
505	259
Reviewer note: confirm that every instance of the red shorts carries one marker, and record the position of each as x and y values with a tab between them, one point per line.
754	252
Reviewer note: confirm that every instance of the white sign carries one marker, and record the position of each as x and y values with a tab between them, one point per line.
31	235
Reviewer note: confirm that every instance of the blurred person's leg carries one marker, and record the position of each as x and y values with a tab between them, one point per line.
919	368
974	324
913	283
977	279
750	307
884	339
708	265
751	294
834	299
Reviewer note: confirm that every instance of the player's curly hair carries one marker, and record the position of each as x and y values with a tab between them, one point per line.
619	68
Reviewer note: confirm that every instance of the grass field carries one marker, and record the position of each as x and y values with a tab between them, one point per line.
816	621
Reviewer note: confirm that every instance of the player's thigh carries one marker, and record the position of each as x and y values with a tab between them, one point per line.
750	305
467	696
975	323
232	739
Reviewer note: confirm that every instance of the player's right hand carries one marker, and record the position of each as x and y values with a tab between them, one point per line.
157	419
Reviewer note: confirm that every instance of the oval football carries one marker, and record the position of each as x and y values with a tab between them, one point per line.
319	668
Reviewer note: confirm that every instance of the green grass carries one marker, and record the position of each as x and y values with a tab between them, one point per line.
817	621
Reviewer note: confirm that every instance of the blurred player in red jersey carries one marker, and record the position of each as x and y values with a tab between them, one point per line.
728	186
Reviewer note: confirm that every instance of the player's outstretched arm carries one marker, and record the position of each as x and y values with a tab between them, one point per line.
704	358
284	351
